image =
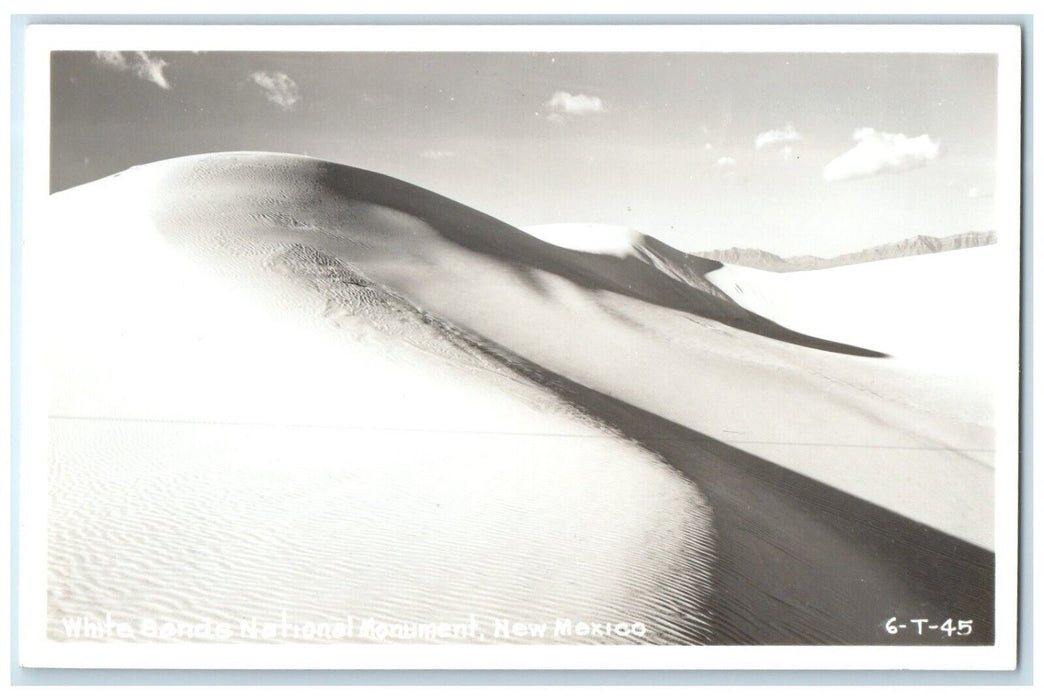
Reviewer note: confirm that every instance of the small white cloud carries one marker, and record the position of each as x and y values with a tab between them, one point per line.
148	68
787	134
726	162
278	88
112	58
877	152
563	104
437	155
787	153
151	69
978	193
708	147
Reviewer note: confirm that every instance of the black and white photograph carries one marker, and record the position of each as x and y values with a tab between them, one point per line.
534	346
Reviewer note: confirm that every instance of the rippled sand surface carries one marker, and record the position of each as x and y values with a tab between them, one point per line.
217	523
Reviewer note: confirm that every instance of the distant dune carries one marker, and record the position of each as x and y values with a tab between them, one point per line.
918	245
269	358
916	309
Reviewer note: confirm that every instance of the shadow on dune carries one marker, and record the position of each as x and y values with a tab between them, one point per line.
800	562
630	276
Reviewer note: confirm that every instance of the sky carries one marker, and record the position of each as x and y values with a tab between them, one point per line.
791	153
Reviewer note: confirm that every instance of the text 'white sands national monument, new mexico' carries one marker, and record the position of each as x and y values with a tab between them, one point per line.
283	384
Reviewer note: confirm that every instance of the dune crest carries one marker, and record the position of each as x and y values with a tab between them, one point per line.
390	217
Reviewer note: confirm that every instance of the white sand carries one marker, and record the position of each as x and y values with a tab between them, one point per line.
245	418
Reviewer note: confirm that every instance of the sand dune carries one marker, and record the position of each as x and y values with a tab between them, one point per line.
342	332
245	427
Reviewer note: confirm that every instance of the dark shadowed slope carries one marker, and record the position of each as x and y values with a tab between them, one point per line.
801	562
632	277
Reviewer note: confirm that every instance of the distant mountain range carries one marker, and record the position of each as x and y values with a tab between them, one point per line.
918	245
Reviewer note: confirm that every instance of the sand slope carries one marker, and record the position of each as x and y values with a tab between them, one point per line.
312	294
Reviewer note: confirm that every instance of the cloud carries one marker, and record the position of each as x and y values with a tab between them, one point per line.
437	155
787	134
978	193
877	152
786	153
726	162
114	59
146	67
151	69
563	104
278	88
